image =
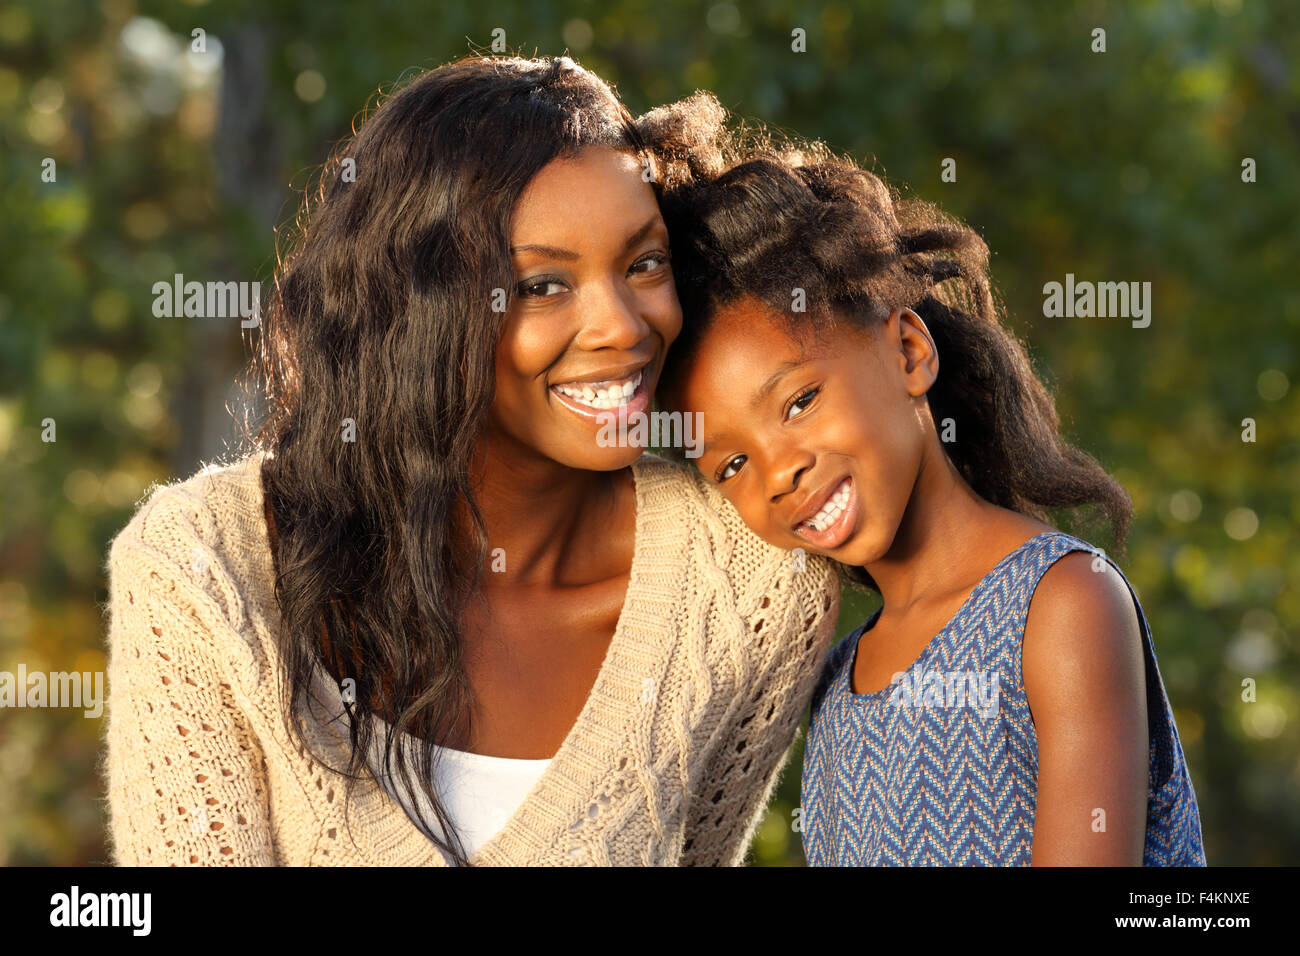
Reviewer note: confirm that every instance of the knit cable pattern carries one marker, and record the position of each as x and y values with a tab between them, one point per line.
671	761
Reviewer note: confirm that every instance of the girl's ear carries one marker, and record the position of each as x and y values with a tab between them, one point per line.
917	352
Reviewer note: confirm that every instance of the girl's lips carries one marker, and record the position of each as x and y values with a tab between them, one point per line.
638	402
838	533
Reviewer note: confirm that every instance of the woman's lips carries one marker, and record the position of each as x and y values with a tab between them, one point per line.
637	401
842	515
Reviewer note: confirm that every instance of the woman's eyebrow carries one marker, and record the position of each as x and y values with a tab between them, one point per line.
568	255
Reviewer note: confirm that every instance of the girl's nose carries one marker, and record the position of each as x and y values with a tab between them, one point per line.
787	471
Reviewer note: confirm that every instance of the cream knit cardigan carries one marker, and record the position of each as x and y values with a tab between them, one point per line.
671	761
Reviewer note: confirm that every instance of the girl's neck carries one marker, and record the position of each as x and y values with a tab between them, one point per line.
938	537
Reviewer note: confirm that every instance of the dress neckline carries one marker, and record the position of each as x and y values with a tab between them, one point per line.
979	588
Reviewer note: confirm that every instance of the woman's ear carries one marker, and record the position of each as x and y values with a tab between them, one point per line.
918	355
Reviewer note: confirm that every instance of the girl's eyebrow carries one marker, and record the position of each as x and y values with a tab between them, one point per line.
760	396
782	370
569	256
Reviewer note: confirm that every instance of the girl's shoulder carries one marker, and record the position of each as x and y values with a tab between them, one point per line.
838	658
1083	630
1067	573
1053	563
842	654
1055	574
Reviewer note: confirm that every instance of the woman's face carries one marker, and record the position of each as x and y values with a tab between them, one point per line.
592	314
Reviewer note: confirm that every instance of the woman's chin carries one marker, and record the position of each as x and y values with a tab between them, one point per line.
602	459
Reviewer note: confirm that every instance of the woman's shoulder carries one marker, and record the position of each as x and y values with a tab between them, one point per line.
676	494
194	562
202	540
215	506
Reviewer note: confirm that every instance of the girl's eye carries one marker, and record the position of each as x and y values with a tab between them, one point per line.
535	288
801	402
727	469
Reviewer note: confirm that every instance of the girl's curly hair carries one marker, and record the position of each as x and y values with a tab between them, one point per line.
755	216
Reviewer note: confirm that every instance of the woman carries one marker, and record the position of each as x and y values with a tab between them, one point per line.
411	584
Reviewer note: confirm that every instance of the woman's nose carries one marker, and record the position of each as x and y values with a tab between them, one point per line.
612	318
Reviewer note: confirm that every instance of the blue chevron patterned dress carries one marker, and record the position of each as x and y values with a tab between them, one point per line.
941	767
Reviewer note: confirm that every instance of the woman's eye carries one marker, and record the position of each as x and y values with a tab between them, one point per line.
536	288
800	403
730	468
543	287
660	259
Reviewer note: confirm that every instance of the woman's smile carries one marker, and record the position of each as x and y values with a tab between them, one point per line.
602	392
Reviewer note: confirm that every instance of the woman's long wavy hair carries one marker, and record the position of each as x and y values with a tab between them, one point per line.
376	367
784	214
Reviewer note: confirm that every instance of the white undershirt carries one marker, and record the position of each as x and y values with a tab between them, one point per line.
480	794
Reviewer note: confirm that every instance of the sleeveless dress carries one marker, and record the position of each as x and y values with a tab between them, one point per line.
941	767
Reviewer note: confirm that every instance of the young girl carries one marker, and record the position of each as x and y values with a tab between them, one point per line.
861	401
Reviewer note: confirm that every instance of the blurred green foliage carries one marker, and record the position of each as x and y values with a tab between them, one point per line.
1117	166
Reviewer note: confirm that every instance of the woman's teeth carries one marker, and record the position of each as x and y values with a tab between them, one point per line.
832	510
602	395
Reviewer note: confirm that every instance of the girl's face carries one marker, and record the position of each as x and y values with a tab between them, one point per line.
820	447
594	310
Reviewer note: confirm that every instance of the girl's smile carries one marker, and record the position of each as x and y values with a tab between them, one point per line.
831	523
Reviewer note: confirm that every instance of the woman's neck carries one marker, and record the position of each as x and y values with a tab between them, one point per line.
544	517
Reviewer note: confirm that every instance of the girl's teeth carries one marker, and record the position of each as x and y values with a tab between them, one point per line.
831	511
